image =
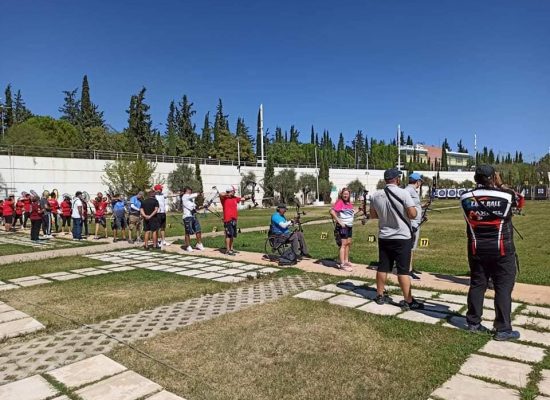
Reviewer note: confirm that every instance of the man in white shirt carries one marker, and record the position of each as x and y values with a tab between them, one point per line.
161	215
76	215
190	221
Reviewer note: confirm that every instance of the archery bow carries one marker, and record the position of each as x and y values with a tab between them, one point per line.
366	215
299	213
253	193
431	195
206	205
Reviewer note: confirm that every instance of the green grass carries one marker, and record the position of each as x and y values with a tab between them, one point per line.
54	244
446	252
99	298
27	268
297	349
7	249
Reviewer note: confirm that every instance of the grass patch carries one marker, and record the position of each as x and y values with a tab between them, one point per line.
57	264
53	244
7	249
447	250
98	298
296	349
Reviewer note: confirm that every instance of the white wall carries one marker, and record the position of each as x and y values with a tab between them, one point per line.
68	175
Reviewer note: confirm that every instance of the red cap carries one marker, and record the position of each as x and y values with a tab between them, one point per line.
158	188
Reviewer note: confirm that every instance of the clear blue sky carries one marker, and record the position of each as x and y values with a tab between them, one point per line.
440	68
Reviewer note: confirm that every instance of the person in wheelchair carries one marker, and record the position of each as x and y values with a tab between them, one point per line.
280	227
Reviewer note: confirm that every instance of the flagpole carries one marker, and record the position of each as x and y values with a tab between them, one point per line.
262	133
399	147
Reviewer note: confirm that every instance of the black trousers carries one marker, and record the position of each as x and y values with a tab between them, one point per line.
35	228
502	270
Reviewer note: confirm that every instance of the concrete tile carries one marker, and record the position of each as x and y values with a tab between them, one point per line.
384	309
456	322
198	265
269	270
423	294
314	295
182	263
156	267
544	384
4	308
510	372
347	301
126	386
174	269
518	351
11	316
8	287
230	279
108	266
61	398
215	262
83	270
490	304
528	335
165	395
441	306
213	268
353	282
122	269
146	264
190	272
208	275
67	277
249	275
54	274
453	298
334	288
427	317
488	314
34	282
526	320
234	265
231	271
32	388
461	387
19	327
87	371
543	312
98	272
250	267
18	281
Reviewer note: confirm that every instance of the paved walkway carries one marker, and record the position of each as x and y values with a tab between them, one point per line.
498	370
43	353
15	323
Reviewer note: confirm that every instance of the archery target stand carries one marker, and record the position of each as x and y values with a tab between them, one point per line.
424	242
371	239
324	235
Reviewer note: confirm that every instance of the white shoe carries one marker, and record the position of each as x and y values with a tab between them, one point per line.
164	243
189	249
199	246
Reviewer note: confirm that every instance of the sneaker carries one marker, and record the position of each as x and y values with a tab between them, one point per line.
414	276
130	241
230	253
506	335
199	246
114	240
189	249
477	328
380	299
413	305
96	237
164	243
417	272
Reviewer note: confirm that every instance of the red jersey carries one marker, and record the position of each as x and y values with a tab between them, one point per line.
36	211
27	204
66	208
100	207
8	207
229	205
54	205
19	207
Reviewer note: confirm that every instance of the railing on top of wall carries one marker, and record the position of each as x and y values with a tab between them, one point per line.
37	151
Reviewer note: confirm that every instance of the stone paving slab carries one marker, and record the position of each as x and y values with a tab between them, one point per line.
537	311
165	395
249	267
347	301
182	263
335	289
544	384
122	269
54	274
488	314
208	275
19	327
427	317
174	269
156	267
527	320
510	372
230	279
18	281
213	268
87	371
456	322
442	306
423	294
454	298
528	335
83	270
236	265
190	272
269	270
461	387
354	283
490	304
34	282
147	264
314	295
126	386
11	316
518	351
231	271
67	277
98	272
32	388
8	286
4	307
384	309
214	262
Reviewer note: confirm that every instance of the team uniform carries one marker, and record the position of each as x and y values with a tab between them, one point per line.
27	209
8	211
19	209
35	216
230	213
66	209
54	209
491	251
100	208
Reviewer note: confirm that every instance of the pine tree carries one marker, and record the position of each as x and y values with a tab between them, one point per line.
402	138
444	164
409	141
245	141
206	136
221	125
294	134
171	131
159	143
9	118
21	113
89	115
491	157
139	130
70	110
185	127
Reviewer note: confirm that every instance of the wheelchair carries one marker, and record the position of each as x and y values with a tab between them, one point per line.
275	245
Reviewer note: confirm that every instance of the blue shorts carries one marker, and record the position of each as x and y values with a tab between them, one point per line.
192	225
230	228
119	222
344	232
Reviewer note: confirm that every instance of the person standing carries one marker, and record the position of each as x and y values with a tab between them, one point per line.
161	215
8	209
19	209
342	214
491	250
46	215
149	210
54	209
100	207
27	208
190	221
394	209
415	182
35	217
77	210
134	217
66	211
230	214
280	226
119	217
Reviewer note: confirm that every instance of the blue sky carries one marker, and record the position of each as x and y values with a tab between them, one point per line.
439	68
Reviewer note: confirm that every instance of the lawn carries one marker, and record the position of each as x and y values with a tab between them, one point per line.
98	298
297	349
446	253
52	244
27	268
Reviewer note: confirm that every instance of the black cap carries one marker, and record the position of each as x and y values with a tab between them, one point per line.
282	205
78	193
391	173
485	170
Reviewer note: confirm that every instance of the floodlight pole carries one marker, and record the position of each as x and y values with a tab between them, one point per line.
399	147
262	133
317	173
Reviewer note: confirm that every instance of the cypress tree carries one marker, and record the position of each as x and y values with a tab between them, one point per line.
21	113
171	131
185	127
258	137
89	115
312	139
206	138
198	177
9	119
294	134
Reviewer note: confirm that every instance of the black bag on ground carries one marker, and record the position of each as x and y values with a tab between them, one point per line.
288	257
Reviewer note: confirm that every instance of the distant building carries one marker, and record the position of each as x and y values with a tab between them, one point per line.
456	161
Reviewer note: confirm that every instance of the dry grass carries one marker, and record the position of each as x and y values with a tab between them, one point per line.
295	349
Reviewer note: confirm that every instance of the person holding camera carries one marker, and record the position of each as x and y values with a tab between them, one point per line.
491	251
190	221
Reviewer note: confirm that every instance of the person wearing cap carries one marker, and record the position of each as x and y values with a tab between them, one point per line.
77	211
119	223
46	216
491	251
415	182
230	214
149	210
8	209
280	226
161	215
394	209
100	207
190	221
134	217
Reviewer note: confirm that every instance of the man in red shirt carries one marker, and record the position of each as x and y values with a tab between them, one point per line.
100	206
9	209
27	208
66	209
54	209
19	206
230	214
